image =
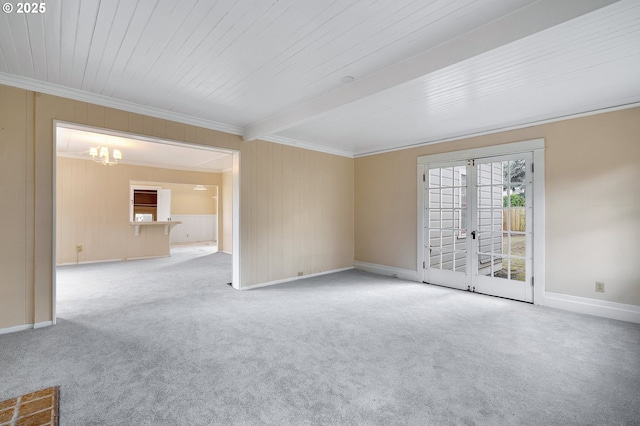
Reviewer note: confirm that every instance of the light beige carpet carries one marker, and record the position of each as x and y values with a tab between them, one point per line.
38	408
166	342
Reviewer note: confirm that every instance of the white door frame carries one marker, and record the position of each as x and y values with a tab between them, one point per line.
536	147
235	173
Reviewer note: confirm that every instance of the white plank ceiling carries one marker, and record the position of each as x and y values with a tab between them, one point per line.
424	70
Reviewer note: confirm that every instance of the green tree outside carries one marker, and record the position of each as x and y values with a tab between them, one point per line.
517	200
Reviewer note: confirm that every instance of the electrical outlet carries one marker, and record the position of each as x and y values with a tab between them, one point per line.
79	248
599	287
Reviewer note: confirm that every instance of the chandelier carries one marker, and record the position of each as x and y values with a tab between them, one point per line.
101	155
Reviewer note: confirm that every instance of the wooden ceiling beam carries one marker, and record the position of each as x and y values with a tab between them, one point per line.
524	22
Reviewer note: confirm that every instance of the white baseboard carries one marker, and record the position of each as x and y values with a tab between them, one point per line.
16	328
42	324
23	327
147	257
600	308
88	262
302	277
224	251
405	274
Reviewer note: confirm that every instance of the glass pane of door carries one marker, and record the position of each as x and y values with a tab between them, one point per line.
446	251
501	219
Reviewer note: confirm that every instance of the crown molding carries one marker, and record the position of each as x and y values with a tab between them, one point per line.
506	128
82	96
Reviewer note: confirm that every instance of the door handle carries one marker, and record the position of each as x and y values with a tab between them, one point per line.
473	234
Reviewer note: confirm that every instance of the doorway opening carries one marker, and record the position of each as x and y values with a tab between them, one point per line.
153	199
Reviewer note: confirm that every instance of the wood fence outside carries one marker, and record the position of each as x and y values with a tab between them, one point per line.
518	216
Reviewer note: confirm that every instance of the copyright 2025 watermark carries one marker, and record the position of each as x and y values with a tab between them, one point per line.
24	8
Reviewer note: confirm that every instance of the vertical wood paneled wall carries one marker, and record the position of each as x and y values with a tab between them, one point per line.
16	207
300	213
296	205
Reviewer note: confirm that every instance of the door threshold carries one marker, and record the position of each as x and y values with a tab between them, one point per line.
475	292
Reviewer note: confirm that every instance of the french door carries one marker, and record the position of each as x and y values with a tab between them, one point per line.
478	225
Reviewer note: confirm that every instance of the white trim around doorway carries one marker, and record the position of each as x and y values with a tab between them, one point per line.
235	173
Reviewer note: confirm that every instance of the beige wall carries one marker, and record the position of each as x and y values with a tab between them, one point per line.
184	200
592	203
296	205
16	207
300	211
92	209
226	216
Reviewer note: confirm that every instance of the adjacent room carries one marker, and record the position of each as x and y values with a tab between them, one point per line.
428	212
125	198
